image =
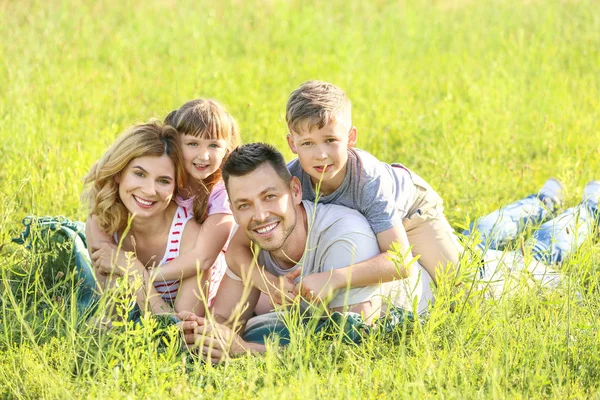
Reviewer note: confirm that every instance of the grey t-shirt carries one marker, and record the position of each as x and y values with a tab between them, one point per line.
383	193
337	237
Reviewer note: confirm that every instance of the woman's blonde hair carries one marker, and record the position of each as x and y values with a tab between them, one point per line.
205	119
101	189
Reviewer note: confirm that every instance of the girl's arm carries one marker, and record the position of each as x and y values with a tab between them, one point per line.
95	236
210	240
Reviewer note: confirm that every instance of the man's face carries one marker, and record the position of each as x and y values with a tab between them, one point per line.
323	153
264	206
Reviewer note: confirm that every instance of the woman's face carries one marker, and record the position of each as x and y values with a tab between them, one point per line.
147	184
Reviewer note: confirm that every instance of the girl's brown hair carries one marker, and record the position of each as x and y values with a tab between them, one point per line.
205	119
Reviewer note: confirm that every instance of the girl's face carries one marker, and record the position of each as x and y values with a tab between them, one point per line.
202	157
147	184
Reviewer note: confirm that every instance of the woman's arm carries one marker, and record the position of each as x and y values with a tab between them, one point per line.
102	250
210	239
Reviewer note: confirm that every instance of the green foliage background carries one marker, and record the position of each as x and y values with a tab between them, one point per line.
484	99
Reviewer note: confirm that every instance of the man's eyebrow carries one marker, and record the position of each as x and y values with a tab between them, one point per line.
267	190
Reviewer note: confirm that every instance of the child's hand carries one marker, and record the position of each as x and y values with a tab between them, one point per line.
316	288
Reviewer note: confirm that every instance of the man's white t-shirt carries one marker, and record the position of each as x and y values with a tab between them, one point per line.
339	237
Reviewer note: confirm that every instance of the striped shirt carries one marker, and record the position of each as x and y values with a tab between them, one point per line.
168	289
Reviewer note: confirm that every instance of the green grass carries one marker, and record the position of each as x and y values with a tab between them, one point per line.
484	99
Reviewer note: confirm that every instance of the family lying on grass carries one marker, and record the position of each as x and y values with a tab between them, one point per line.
227	236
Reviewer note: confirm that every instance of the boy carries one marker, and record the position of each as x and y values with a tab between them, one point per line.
399	205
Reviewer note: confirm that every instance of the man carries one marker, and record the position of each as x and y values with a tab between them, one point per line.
304	252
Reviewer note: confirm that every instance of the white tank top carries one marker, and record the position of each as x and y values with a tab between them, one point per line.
168	289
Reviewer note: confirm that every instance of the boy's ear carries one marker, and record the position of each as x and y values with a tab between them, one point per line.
291	143
352	136
296	187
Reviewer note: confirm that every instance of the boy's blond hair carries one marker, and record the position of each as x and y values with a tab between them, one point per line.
315	104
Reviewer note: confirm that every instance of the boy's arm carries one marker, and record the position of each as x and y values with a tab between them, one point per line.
242	263
359	272
210	240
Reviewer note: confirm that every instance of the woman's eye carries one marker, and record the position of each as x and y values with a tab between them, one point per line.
138	173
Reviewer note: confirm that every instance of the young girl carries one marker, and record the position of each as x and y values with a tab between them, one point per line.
139	176
207	134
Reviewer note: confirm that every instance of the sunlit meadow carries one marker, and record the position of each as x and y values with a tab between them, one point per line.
484	99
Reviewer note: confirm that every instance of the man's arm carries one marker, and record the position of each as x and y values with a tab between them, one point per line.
243	263
216	342
218	338
235	302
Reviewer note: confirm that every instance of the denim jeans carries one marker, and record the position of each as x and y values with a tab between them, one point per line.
562	235
552	242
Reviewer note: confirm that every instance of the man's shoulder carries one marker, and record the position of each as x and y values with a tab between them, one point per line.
334	217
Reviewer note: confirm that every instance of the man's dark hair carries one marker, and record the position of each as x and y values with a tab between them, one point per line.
246	158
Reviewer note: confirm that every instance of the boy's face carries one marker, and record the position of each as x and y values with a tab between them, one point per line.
323	153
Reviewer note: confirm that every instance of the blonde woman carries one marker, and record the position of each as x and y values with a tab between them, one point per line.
135	220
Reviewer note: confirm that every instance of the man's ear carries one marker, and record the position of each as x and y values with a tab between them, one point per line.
352	136
291	143
296	187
